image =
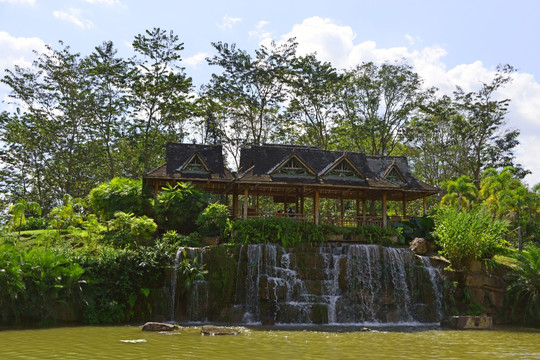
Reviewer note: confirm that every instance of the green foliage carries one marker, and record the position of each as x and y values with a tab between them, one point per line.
214	220
68	214
460	193
174	240
284	231
190	270
465	236
35	280
35	223
178	207
128	230
119	194
416	227
524	285
18	211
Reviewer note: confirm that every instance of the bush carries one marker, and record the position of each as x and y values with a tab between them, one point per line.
173	240
178	207
119	194
214	220
465	236
34	223
284	231
128	230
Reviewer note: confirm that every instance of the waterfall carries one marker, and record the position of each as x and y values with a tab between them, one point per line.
435	278
328	284
174	276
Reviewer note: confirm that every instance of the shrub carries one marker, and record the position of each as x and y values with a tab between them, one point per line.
173	240
34	223
119	194
214	220
465	236
284	231
128	230
178	207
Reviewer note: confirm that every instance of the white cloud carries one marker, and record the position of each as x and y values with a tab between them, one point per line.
108	3
336	43
18	50
263	36
412	39
228	22
23	2
75	17
195	60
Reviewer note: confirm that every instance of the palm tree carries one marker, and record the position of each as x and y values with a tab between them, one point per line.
18	210
524	283
459	191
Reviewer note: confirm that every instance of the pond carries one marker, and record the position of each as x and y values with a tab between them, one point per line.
129	342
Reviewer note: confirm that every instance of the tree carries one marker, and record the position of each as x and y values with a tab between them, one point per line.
18	211
480	129
159	94
250	90
109	77
312	108
460	191
377	104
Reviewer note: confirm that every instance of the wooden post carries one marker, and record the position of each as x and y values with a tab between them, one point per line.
235	202
246	197
364	211
384	220
316	208
341	208
425	204
257	206
357	210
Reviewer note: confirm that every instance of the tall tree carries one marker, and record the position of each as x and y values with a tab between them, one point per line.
109	77
250	90
377	103
313	106
160	94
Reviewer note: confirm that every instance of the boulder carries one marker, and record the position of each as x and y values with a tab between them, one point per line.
157	326
468	322
211	330
419	246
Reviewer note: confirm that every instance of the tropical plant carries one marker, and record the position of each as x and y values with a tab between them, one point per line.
179	206
465	236
460	192
18	211
68	214
524	284
214	220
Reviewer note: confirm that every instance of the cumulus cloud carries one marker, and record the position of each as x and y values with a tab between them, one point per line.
228	22
338	44
18	50
195	60
23	2
259	33
75	17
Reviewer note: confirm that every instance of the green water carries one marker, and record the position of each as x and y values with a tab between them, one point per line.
130	342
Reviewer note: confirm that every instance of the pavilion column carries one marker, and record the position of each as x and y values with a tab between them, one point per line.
246	197
316	208
302	205
404	209
156	190
384	219
425	204
357	211
257	205
364	211
235	202
341	210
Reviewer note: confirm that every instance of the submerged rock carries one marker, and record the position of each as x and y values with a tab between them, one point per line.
211	330
468	322
157	326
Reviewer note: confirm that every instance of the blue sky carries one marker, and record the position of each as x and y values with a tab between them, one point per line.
448	43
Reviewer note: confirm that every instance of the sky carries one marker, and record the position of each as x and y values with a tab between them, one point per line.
449	43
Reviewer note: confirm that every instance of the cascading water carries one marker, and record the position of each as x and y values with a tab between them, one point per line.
334	284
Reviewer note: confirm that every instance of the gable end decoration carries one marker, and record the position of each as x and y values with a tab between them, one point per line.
194	164
343	168
393	174
292	166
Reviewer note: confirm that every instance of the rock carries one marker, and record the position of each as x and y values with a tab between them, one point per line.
468	322
419	246
211	330
157	326
365	329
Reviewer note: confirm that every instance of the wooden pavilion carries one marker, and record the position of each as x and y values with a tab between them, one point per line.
290	175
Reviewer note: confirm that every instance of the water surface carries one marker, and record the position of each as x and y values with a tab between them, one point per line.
129	342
